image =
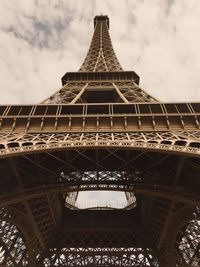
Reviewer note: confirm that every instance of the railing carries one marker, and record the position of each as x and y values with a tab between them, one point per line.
137	109
100	118
131	203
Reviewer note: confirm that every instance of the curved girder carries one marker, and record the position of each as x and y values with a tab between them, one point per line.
188	143
182	246
138	257
51	147
58	188
17	241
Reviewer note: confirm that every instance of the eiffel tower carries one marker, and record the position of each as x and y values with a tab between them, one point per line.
100	131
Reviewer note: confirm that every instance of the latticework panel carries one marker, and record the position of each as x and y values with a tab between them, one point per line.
144	173
13	246
177	142
182	246
188	243
17	240
66	94
42	216
126	91
139	257
101	56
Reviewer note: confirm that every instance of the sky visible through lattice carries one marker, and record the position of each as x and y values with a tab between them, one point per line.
41	40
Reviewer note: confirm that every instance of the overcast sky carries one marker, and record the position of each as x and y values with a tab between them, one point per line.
40	40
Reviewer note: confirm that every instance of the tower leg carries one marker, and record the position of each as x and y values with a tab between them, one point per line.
17	242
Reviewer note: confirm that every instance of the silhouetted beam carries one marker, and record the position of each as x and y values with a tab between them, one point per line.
48	200
28	209
177	176
57	188
196	254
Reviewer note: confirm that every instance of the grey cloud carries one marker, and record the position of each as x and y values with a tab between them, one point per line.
168	5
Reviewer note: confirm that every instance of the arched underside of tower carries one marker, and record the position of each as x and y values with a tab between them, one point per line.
179	142
100	131
37	184
181	250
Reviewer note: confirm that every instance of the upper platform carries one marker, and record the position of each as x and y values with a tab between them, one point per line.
101	77
101	18
96	76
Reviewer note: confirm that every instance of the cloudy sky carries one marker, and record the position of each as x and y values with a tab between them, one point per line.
40	40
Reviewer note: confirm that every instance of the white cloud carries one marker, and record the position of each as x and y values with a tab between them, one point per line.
101	199
41	40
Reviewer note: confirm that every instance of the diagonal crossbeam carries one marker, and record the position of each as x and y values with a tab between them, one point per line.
27	206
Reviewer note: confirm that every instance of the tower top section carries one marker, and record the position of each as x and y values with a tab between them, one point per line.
101	56
101	18
101	78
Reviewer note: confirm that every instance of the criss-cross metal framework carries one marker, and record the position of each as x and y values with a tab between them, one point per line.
100	131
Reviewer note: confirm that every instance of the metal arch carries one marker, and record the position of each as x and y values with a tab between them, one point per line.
151	190
182	218
134	145
139	255
18	219
99	257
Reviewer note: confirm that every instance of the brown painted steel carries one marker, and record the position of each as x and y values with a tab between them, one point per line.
100	131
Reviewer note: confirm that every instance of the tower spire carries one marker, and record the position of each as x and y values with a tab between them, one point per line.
93	134
101	77
101	55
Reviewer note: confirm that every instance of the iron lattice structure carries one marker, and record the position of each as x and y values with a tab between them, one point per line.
100	131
